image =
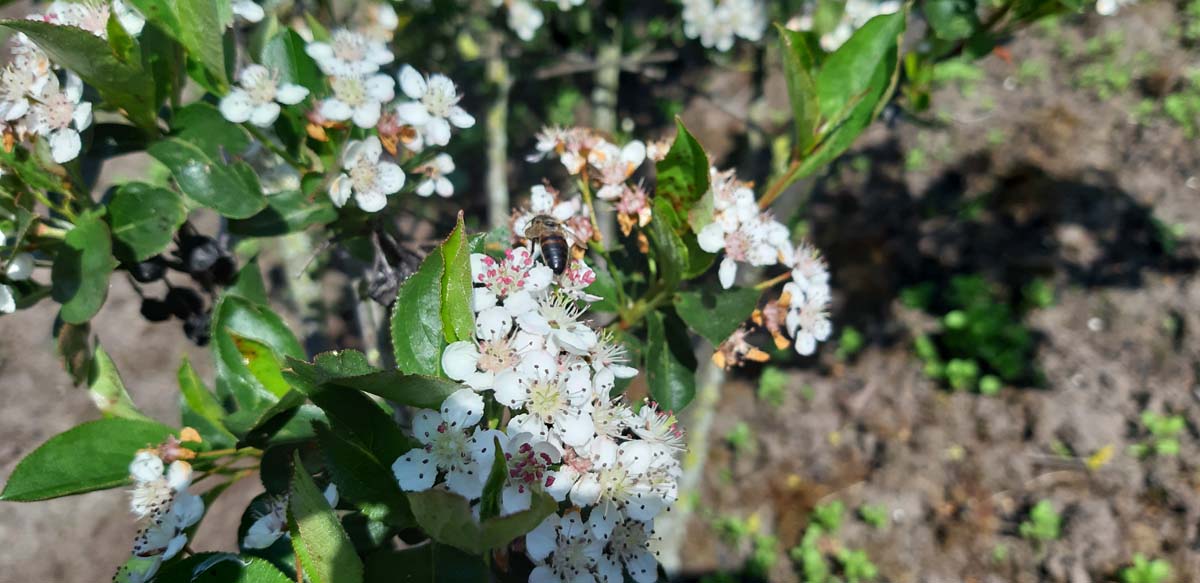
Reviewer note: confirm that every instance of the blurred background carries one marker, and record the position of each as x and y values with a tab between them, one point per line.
1011	394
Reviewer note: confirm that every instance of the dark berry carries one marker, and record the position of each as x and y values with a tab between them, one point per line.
196	327
149	270
184	302
224	270
155	310
200	253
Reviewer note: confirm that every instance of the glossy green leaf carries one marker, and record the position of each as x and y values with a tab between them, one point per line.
417	320
73	345
683	173
670	252
605	287
285	53
427	563
229	189
287	212
421	391
201	31
248	284
201	410
107	390
221	568
91	456
122	84
82	268
799	69
458	319
670	362
248	339
447	518
124	48
317	536
952	19
144	219
202	125
363	479
715	314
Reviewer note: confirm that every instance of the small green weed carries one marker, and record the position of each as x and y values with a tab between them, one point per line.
1146	571
1164	435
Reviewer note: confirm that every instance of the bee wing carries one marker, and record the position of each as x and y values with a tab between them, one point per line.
573	238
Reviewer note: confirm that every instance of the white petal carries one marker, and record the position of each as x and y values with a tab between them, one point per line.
642	566
493	324
21	267
370	149
508	389
633	154
188	509
82	116
319	51
445	188
237	106
425	424
390	178
576	430
339	190
65	145
264	532
265	115
414	471
412	113
460	118
459	360
514	499
543	539
425	188
534	322
370	202
179	475
727	272
467	483
711	238
539	278
331	495
462	409
177	543
289	94
248	10
542	573
381	88
8	303
437	131
367	114
412	82
146	467
520	303
482	298
335	109
586	491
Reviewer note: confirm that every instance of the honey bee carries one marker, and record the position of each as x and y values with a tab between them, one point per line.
551	237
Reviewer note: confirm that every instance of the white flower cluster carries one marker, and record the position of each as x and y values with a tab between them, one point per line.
749	235
164	508
717	22
855	14
271	524
37	98
568	437
19	268
525	18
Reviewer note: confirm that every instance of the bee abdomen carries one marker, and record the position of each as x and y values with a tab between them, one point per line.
555	251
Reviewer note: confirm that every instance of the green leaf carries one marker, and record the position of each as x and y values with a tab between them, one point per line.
144	219
952	19
107	390
248	284
123	46
458	320
670	363
317	536
363	479
201	32
202	125
81	269
417	320
715	314
683	173
221	568
73	346
91	456
287	212
427	563
670	252
493	489
421	391
248	341
229	189
285	54
122	84
447	518
799	69
201	410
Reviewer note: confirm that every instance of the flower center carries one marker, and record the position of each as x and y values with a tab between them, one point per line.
448	446
527	467
152	499
571	559
58	111
363	176
349	47
352	90
546	399
496	356
263	91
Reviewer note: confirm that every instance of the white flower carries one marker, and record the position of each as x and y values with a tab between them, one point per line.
367	177
808	317
131	20
358	98
633	479
497	352
658	428
513	280
565	549
247	10
566	5
1111	7
524	19
557	318
60	116
434	176
17	84
258	96
377	21
165	536
615	166
435	107
808	269
555	396
152	491
93	16
349	53
544	202
575	280
529	459
451	445
629	546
